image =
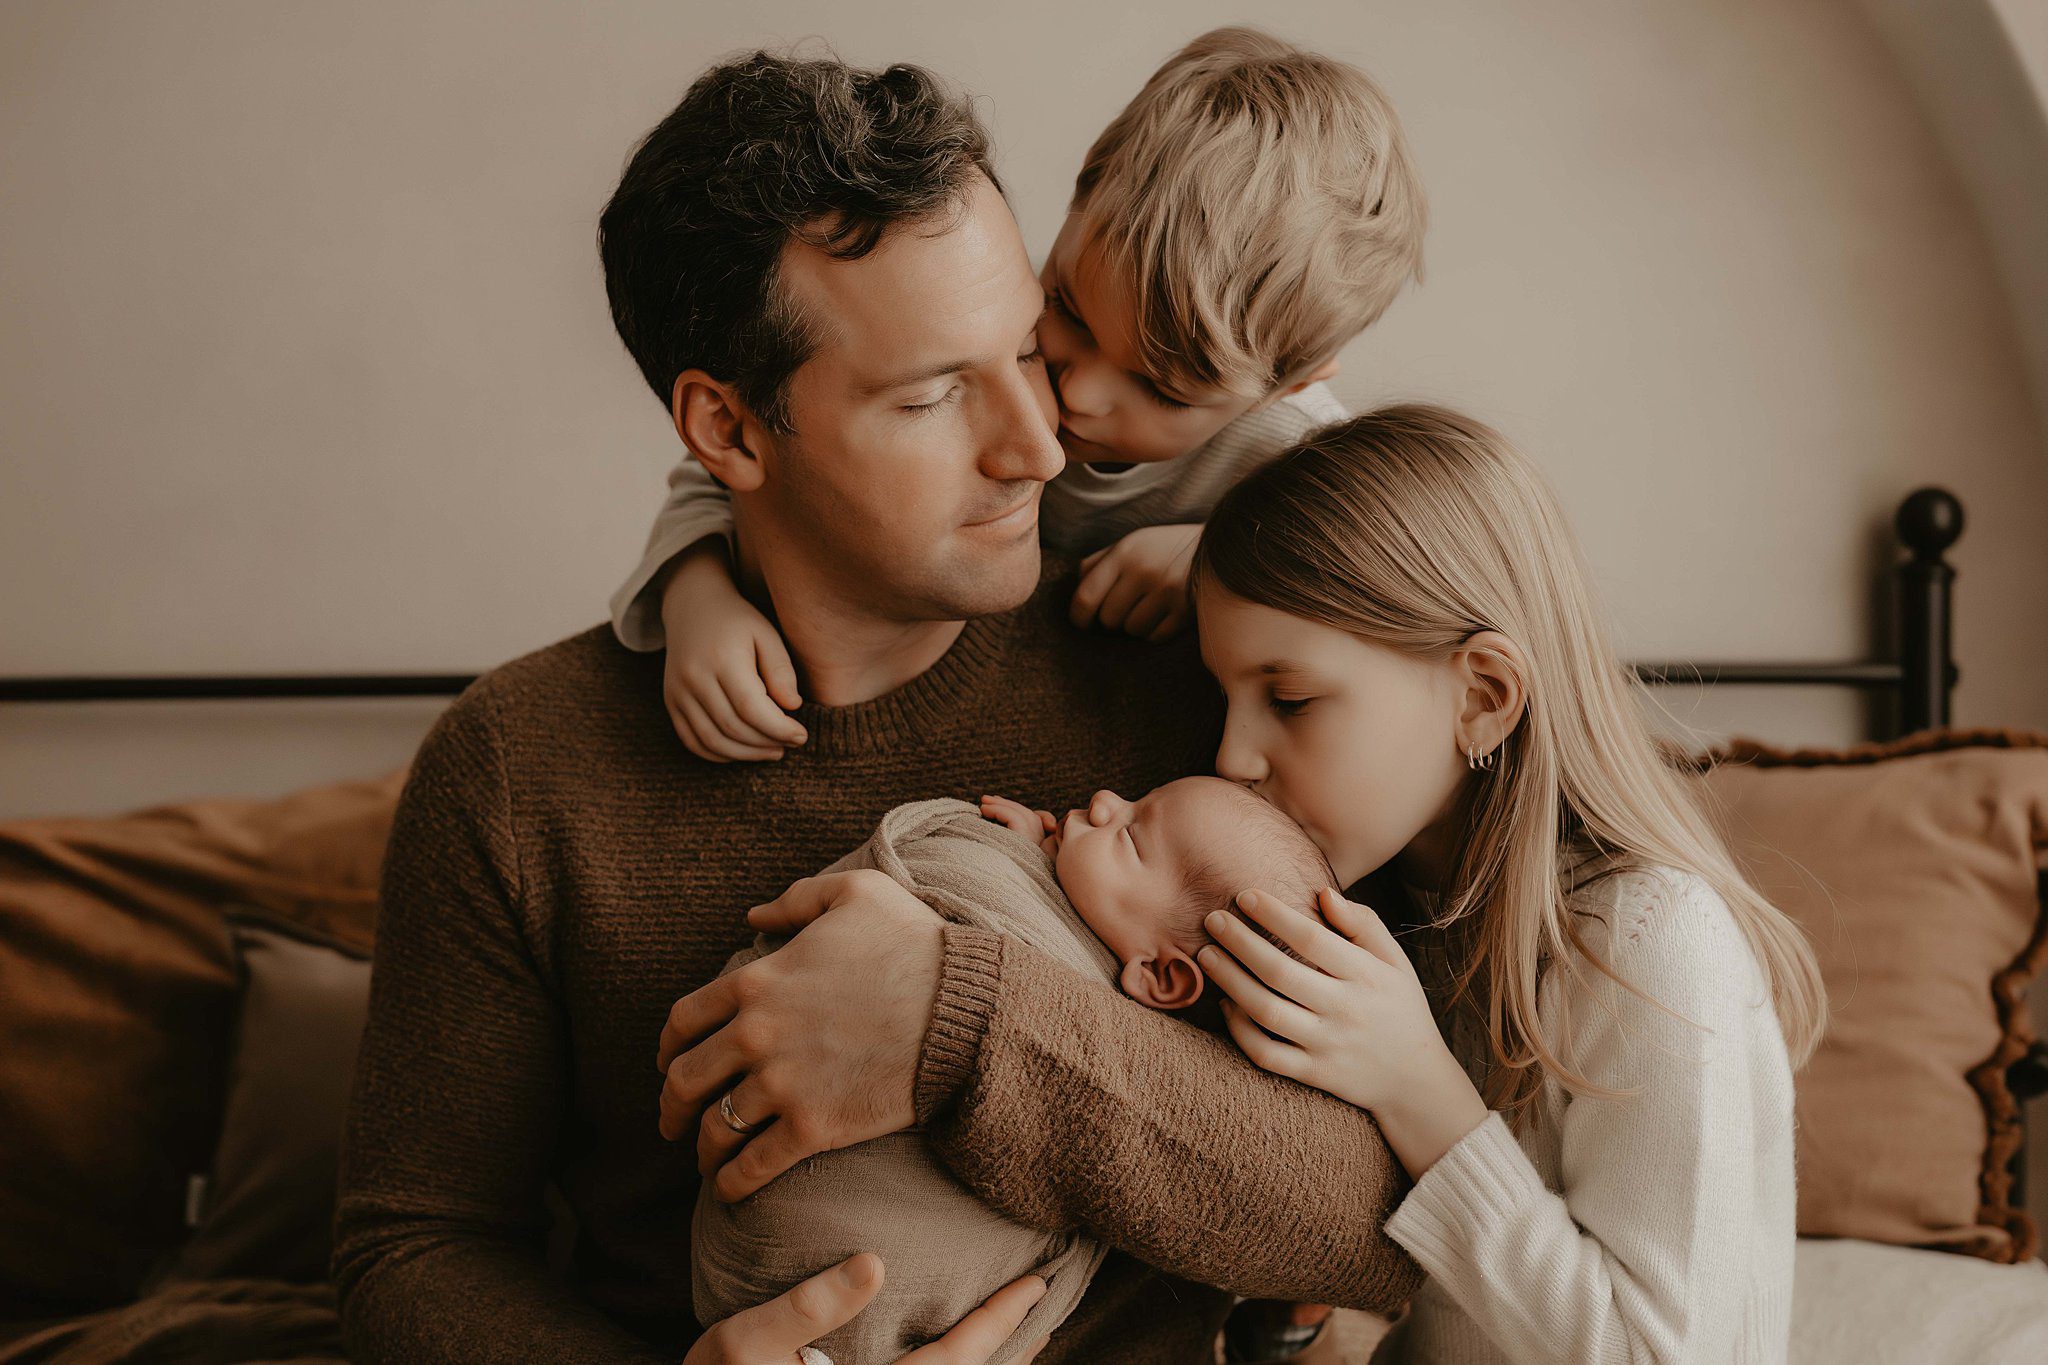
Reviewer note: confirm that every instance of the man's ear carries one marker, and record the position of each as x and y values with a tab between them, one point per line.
1492	671
1170	981
718	429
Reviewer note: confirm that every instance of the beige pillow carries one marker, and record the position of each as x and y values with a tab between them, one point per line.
267	1205
1915	869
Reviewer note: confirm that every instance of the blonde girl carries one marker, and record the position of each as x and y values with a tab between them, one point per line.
1579	1029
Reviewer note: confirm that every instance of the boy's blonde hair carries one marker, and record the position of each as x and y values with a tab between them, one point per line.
1413	528
1261	204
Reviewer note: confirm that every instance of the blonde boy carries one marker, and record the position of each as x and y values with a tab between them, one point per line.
1250	212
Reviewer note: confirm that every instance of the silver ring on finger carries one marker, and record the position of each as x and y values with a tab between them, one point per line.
733	1120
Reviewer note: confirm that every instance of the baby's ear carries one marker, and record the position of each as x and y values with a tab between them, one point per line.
1170	981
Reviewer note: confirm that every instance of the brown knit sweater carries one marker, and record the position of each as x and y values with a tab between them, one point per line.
562	869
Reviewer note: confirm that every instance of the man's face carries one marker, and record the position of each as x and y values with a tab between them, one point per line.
922	426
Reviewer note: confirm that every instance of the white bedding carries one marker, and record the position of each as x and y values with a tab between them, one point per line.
1858	1303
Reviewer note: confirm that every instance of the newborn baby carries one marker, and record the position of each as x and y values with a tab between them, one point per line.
1144	874
1118	891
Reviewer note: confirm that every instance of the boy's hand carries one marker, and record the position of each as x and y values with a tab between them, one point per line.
1011	815
1140	584
729	679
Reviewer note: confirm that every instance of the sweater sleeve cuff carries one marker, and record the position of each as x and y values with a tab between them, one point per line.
1468	1195
636	608
970	973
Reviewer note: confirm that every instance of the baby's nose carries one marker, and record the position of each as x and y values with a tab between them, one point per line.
1103	806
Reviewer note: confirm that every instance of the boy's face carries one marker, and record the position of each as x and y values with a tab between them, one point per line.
1110	409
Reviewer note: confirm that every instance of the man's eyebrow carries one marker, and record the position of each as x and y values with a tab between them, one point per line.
919	376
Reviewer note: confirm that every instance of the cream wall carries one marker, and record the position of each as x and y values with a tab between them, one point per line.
305	366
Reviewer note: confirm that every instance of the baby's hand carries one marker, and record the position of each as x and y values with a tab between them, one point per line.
728	679
1032	824
1140	584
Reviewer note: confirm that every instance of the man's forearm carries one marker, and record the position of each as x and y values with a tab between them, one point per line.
420	1295
1062	1104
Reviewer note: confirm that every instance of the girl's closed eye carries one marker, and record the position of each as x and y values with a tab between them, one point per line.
1289	706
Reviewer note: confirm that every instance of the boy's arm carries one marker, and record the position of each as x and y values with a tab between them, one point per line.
459	1092
1063	1104
696	507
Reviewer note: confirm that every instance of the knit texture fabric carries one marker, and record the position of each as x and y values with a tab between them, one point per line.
561	869
1086	509
1658	1226
944	1249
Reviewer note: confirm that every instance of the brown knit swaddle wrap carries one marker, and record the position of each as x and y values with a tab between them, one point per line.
944	1250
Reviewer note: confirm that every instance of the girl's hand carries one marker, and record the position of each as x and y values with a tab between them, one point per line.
728	681
1351	1019
772	1333
1138	585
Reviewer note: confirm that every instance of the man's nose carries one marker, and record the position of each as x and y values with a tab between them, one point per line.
1018	442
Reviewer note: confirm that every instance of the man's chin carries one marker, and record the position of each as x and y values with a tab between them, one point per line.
986	582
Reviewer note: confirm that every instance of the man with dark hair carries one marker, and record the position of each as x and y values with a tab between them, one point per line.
796	258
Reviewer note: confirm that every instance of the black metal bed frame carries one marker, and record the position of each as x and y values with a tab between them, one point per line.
1922	680
1922	677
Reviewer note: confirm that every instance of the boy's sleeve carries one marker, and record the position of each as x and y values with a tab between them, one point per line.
1064	1104
696	507
459	1091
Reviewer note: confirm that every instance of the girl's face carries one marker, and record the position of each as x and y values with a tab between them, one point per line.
1356	742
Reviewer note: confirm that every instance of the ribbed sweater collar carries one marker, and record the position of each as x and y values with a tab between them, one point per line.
938	699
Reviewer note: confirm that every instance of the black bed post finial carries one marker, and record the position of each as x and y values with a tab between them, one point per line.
1929	521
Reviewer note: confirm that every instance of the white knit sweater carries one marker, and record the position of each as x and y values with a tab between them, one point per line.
1653	1228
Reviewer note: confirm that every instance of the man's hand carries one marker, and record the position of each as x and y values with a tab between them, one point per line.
727	681
818	1041
771	1333
1138	585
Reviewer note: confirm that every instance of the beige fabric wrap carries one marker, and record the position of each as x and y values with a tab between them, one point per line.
944	1250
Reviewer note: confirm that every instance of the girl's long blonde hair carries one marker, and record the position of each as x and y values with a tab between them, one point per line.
1414	527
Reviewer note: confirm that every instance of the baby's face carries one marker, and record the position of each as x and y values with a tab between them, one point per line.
1125	864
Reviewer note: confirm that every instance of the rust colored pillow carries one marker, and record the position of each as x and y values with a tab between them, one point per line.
117	1001
1916	870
